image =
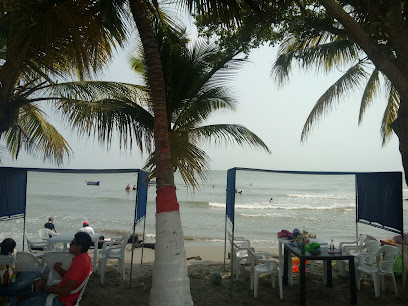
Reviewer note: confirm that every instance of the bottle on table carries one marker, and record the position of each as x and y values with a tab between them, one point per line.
303	247
6	276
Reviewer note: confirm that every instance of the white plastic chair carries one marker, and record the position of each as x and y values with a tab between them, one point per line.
378	265
113	250
7	260
346	247
260	264
45	236
240	241
239	252
28	262
45	232
37	248
82	287
369	247
50	259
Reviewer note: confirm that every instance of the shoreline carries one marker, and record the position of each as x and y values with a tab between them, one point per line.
209	254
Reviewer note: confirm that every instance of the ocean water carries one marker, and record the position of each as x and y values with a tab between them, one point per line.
325	205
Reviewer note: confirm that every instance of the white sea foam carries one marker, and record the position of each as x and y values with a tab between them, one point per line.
257	206
321	196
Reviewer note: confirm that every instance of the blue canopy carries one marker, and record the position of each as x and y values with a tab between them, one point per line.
379	199
142	186
378	196
13	190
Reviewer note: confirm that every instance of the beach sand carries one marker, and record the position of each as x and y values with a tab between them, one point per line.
116	291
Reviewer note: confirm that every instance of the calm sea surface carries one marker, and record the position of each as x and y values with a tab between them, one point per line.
325	205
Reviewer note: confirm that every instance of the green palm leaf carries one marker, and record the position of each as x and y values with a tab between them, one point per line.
186	157
351	79
312	55
370	91
390	113
36	135
228	134
110	117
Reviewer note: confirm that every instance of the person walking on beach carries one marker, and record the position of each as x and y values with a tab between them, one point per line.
86	228
50	224
72	278
134	187
127	188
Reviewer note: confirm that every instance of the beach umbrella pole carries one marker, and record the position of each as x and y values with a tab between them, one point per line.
225	241
143	240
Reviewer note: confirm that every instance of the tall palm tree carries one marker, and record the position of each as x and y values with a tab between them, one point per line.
328	52
50	37
195	80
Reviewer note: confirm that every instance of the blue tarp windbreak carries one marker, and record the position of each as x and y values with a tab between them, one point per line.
13	190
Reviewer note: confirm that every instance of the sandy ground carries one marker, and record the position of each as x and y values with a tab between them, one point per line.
116	291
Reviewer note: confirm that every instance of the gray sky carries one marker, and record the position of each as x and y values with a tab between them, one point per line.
276	115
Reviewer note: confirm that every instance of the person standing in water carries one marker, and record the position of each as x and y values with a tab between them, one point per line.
50	224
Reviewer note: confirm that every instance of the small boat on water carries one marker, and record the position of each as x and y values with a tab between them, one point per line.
92	183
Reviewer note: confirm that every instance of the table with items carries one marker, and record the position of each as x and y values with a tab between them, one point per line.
23	280
327	256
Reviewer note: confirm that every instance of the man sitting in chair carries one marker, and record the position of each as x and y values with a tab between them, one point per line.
86	228
72	278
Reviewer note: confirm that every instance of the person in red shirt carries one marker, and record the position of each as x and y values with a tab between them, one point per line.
72	278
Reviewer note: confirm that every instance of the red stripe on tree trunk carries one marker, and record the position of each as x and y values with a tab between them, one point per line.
166	200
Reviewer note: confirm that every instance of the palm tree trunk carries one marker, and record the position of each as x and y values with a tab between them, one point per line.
400	127
171	285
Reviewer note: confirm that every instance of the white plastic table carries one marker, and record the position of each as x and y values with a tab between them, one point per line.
66	238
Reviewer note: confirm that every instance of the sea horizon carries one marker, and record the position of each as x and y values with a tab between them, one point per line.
323	204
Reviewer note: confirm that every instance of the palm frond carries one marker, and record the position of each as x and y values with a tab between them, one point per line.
323	56
194	112
219	134
36	135
351	79
108	117
95	90
186	157
390	114
282	67
54	33
370	91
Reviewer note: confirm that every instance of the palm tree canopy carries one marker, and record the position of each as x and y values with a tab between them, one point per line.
39	41
195	76
328	52
59	36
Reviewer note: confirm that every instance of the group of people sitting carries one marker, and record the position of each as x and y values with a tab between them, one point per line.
72	277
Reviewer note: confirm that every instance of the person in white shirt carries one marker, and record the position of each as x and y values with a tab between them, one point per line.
86	228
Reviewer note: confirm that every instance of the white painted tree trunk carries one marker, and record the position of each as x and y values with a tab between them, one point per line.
171	285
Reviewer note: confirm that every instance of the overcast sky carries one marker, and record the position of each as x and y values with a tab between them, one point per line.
276	115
